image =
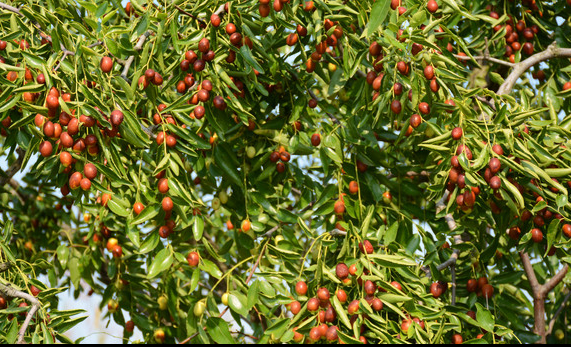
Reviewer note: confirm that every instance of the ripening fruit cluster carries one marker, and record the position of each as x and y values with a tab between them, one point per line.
281	157
519	39
320	305
327	45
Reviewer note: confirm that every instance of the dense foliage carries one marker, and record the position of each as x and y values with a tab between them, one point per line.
355	171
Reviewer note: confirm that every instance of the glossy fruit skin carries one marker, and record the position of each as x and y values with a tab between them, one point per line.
301	288
323	294
353	307
117	251
167	204
487	291
472	286
429	72
315	140
432	6
436	290
193	259
295	307
366	247
341	295
396	285
199	308
138	208
46	149
106	64
90	171
342	271
246	225
313	305
536	235
567	230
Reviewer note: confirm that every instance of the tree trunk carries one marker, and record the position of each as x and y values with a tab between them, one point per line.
539	314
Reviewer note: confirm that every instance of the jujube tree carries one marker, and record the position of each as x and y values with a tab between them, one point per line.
357	172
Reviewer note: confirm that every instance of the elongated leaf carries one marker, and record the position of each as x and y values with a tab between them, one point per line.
162	262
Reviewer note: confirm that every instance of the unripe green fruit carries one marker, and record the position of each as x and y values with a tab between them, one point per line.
215	204
188	167
199	308
225	299
223	196
251	152
263	218
162	301
559	334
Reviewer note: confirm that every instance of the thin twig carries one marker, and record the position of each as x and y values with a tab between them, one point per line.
558	312
13	293
137	48
440	206
190	15
483	58
95	44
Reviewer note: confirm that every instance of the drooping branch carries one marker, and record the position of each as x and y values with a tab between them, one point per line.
14	293
520	68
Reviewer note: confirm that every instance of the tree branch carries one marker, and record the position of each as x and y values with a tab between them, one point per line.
440	206
14	168
555	280
534	283
137	48
13	293
190	14
558	312
5	266
520	68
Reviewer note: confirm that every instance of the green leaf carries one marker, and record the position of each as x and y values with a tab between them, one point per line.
149	212
150	243
63	255
219	330
162	261
12	334
237	302
253	293
378	13
341	314
117	209
211	268
247	54
485	318
198	228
